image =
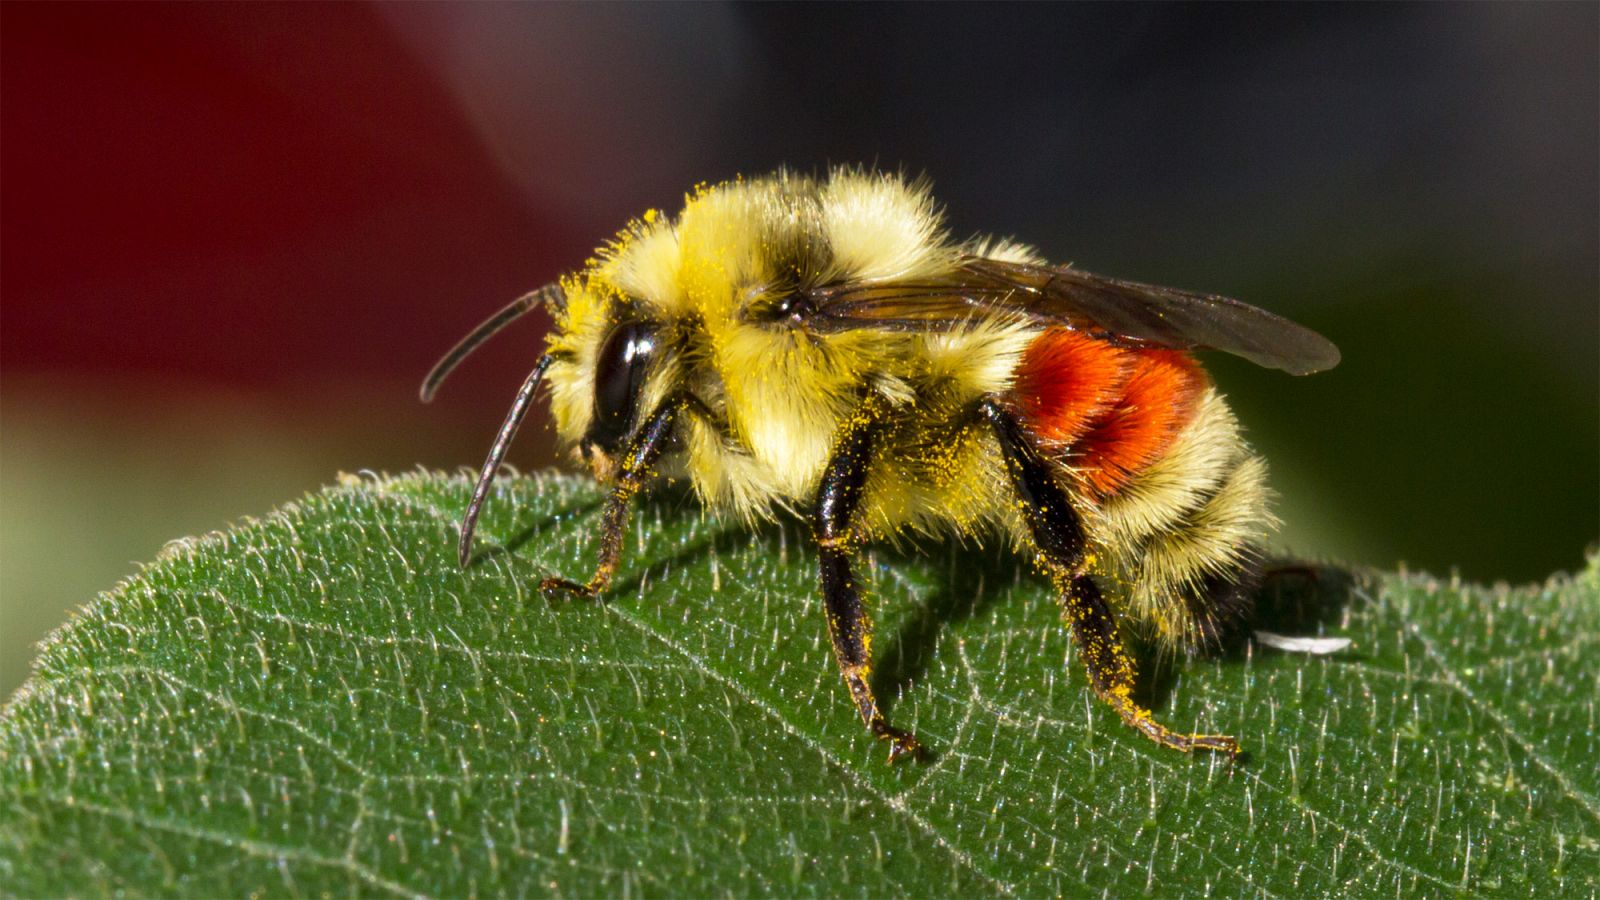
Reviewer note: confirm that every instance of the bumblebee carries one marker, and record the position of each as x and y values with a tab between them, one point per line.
821	345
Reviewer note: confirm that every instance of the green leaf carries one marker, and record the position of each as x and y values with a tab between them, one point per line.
322	702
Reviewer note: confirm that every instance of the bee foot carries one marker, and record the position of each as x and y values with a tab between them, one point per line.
1187	743
1217	743
901	743
555	588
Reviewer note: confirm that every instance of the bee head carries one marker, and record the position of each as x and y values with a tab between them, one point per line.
610	362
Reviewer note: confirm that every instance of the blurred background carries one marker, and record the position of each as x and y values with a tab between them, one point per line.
235	236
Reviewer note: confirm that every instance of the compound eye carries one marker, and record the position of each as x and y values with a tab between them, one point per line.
618	378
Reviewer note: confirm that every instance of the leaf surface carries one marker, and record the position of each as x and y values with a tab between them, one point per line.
321	701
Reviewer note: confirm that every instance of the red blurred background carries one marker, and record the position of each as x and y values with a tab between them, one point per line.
257	197
233	236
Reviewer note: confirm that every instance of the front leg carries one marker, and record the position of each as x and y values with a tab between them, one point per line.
639	457
848	623
1063	551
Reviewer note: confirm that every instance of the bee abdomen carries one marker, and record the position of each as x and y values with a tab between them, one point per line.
1192	580
1184	535
1110	411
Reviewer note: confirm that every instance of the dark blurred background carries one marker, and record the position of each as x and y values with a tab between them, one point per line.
235	236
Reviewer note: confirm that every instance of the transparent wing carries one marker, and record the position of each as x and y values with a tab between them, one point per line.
1123	312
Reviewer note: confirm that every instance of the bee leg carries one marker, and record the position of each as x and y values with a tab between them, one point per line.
639	457
1063	552
848	623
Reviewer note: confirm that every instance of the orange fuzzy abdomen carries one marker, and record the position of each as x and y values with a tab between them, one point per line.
1106	411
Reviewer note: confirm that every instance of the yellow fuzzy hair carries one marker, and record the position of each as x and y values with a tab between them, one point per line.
777	395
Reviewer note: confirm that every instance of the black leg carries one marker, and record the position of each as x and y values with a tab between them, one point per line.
639	457
1063	553
848	624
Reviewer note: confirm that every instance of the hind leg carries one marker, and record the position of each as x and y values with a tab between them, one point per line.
1063	551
